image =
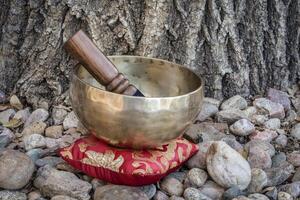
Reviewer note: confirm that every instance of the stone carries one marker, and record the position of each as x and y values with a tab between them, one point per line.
97	183
49	160
222	127
242	127
294	158
35	154
15	102
51	143
281	140
232	192
54	131
12	195
277	175
16	169
71	121
258	158
3	98
6	136
212	101
113	192
275	110
227	167
266	146
34	128
259	180
171	186
257	196
278	160
234	144
296	176
295	132
39	115
230	116
65	141
194	194
58	115
241	198
160	196
291	116
235	102
23	115
6	115
272	124
250	111
259	119
284	196
280	97
52	182
66	167
212	190
62	197
292	188
199	159
176	198
271	192
196	177
149	190
34	195
180	176
208	110
266	135
34	141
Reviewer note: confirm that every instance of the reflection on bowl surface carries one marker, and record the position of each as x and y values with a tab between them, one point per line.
173	99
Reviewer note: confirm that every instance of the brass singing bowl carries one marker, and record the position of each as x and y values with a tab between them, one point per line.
174	97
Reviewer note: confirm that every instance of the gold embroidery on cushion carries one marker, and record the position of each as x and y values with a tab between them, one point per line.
147	170
106	160
180	154
67	154
174	164
82	147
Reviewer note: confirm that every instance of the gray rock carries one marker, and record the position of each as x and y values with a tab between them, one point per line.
212	101
6	115
208	110
272	124
230	116
194	194
196	177
250	111
58	115
278	175
23	114
259	180
294	158
266	146
259	119
279	159
34	141
39	115
16	169
291	116
257	196
12	195
49	160
180	176
271	193
275	110
284	196
62	197
295	132
234	144
149	190
171	186
281	140
296	176
51	143
227	167
34	195
3	98
292	188
15	102
71	121
52	182
232	193
279	97
54	131
258	158
114	192
176	198
6	136
242	127
34	128
35	154
96	183
266	135
199	159
235	102
160	196
212	190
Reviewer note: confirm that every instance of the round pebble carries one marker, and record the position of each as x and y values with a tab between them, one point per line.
196	177
172	186
242	127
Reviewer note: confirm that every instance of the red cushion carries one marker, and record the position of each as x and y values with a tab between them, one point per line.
127	166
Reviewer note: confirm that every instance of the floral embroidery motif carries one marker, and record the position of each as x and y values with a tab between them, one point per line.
106	160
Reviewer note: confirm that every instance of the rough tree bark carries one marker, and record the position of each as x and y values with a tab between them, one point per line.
238	46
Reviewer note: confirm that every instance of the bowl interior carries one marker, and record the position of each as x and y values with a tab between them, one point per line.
153	77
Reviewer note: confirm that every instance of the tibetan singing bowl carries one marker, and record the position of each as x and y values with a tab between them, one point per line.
174	96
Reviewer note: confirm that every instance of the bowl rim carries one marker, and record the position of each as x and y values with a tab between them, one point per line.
139	97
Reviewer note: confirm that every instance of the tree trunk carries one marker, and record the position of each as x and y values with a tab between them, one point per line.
238	46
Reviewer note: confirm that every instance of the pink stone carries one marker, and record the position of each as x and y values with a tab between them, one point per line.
275	110
199	159
294	158
266	135
278	96
258	158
